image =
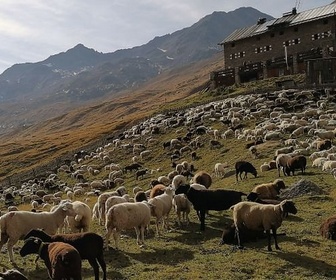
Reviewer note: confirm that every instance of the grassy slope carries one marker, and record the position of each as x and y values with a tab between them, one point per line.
187	253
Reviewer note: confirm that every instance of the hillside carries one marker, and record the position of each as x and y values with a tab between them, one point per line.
32	92
25	149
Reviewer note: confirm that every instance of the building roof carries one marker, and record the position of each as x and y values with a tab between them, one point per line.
288	19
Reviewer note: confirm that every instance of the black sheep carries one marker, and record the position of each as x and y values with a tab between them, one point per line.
244	166
61	259
204	200
89	245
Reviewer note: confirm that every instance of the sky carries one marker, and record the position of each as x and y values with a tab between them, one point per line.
32	30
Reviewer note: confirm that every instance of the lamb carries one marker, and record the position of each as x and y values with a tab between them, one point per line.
269	190
255	216
82	220
220	169
126	216
244	166
89	245
297	162
246	235
182	205
264	167
203	178
162	206
12	274
141	173
15	225
204	200
61	259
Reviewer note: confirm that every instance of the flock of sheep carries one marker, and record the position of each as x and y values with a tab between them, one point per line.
59	207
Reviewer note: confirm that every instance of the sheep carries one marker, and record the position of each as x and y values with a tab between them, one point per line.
126	216
140	196
162	206
245	235
61	259
318	162
101	205
297	162
255	216
220	169
178	180
285	150
204	200
82	220
141	173
281	162
323	145
203	178
324	134
244	166
15	225
113	200
90	246
328	165
328	228
182	205
264	167
269	190
12	274
157	190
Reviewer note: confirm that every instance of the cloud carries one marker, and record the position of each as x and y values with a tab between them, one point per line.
32	30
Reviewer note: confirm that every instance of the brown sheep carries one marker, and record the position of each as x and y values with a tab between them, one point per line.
297	162
269	190
157	190
328	228
61	259
203	178
324	145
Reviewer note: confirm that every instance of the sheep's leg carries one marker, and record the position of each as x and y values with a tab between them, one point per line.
268	233
142	234
107	238
238	238
275	239
4	239
102	263
116	236
10	245
202	218
95	267
178	213
157	226
137	232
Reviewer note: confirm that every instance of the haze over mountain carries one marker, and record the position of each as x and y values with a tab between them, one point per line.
32	92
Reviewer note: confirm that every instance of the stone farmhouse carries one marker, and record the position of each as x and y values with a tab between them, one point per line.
298	42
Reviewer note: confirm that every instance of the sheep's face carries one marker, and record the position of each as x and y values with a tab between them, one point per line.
68	209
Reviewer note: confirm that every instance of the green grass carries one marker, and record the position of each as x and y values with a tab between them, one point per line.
188	253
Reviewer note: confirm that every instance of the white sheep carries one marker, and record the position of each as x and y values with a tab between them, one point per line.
113	200
318	162
329	165
264	167
182	205
82	219
126	216
16	224
178	180
162	206
220	169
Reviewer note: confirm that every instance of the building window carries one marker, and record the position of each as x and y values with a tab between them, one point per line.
286	43
231	56
268	48
258	50
322	35
296	41
315	37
